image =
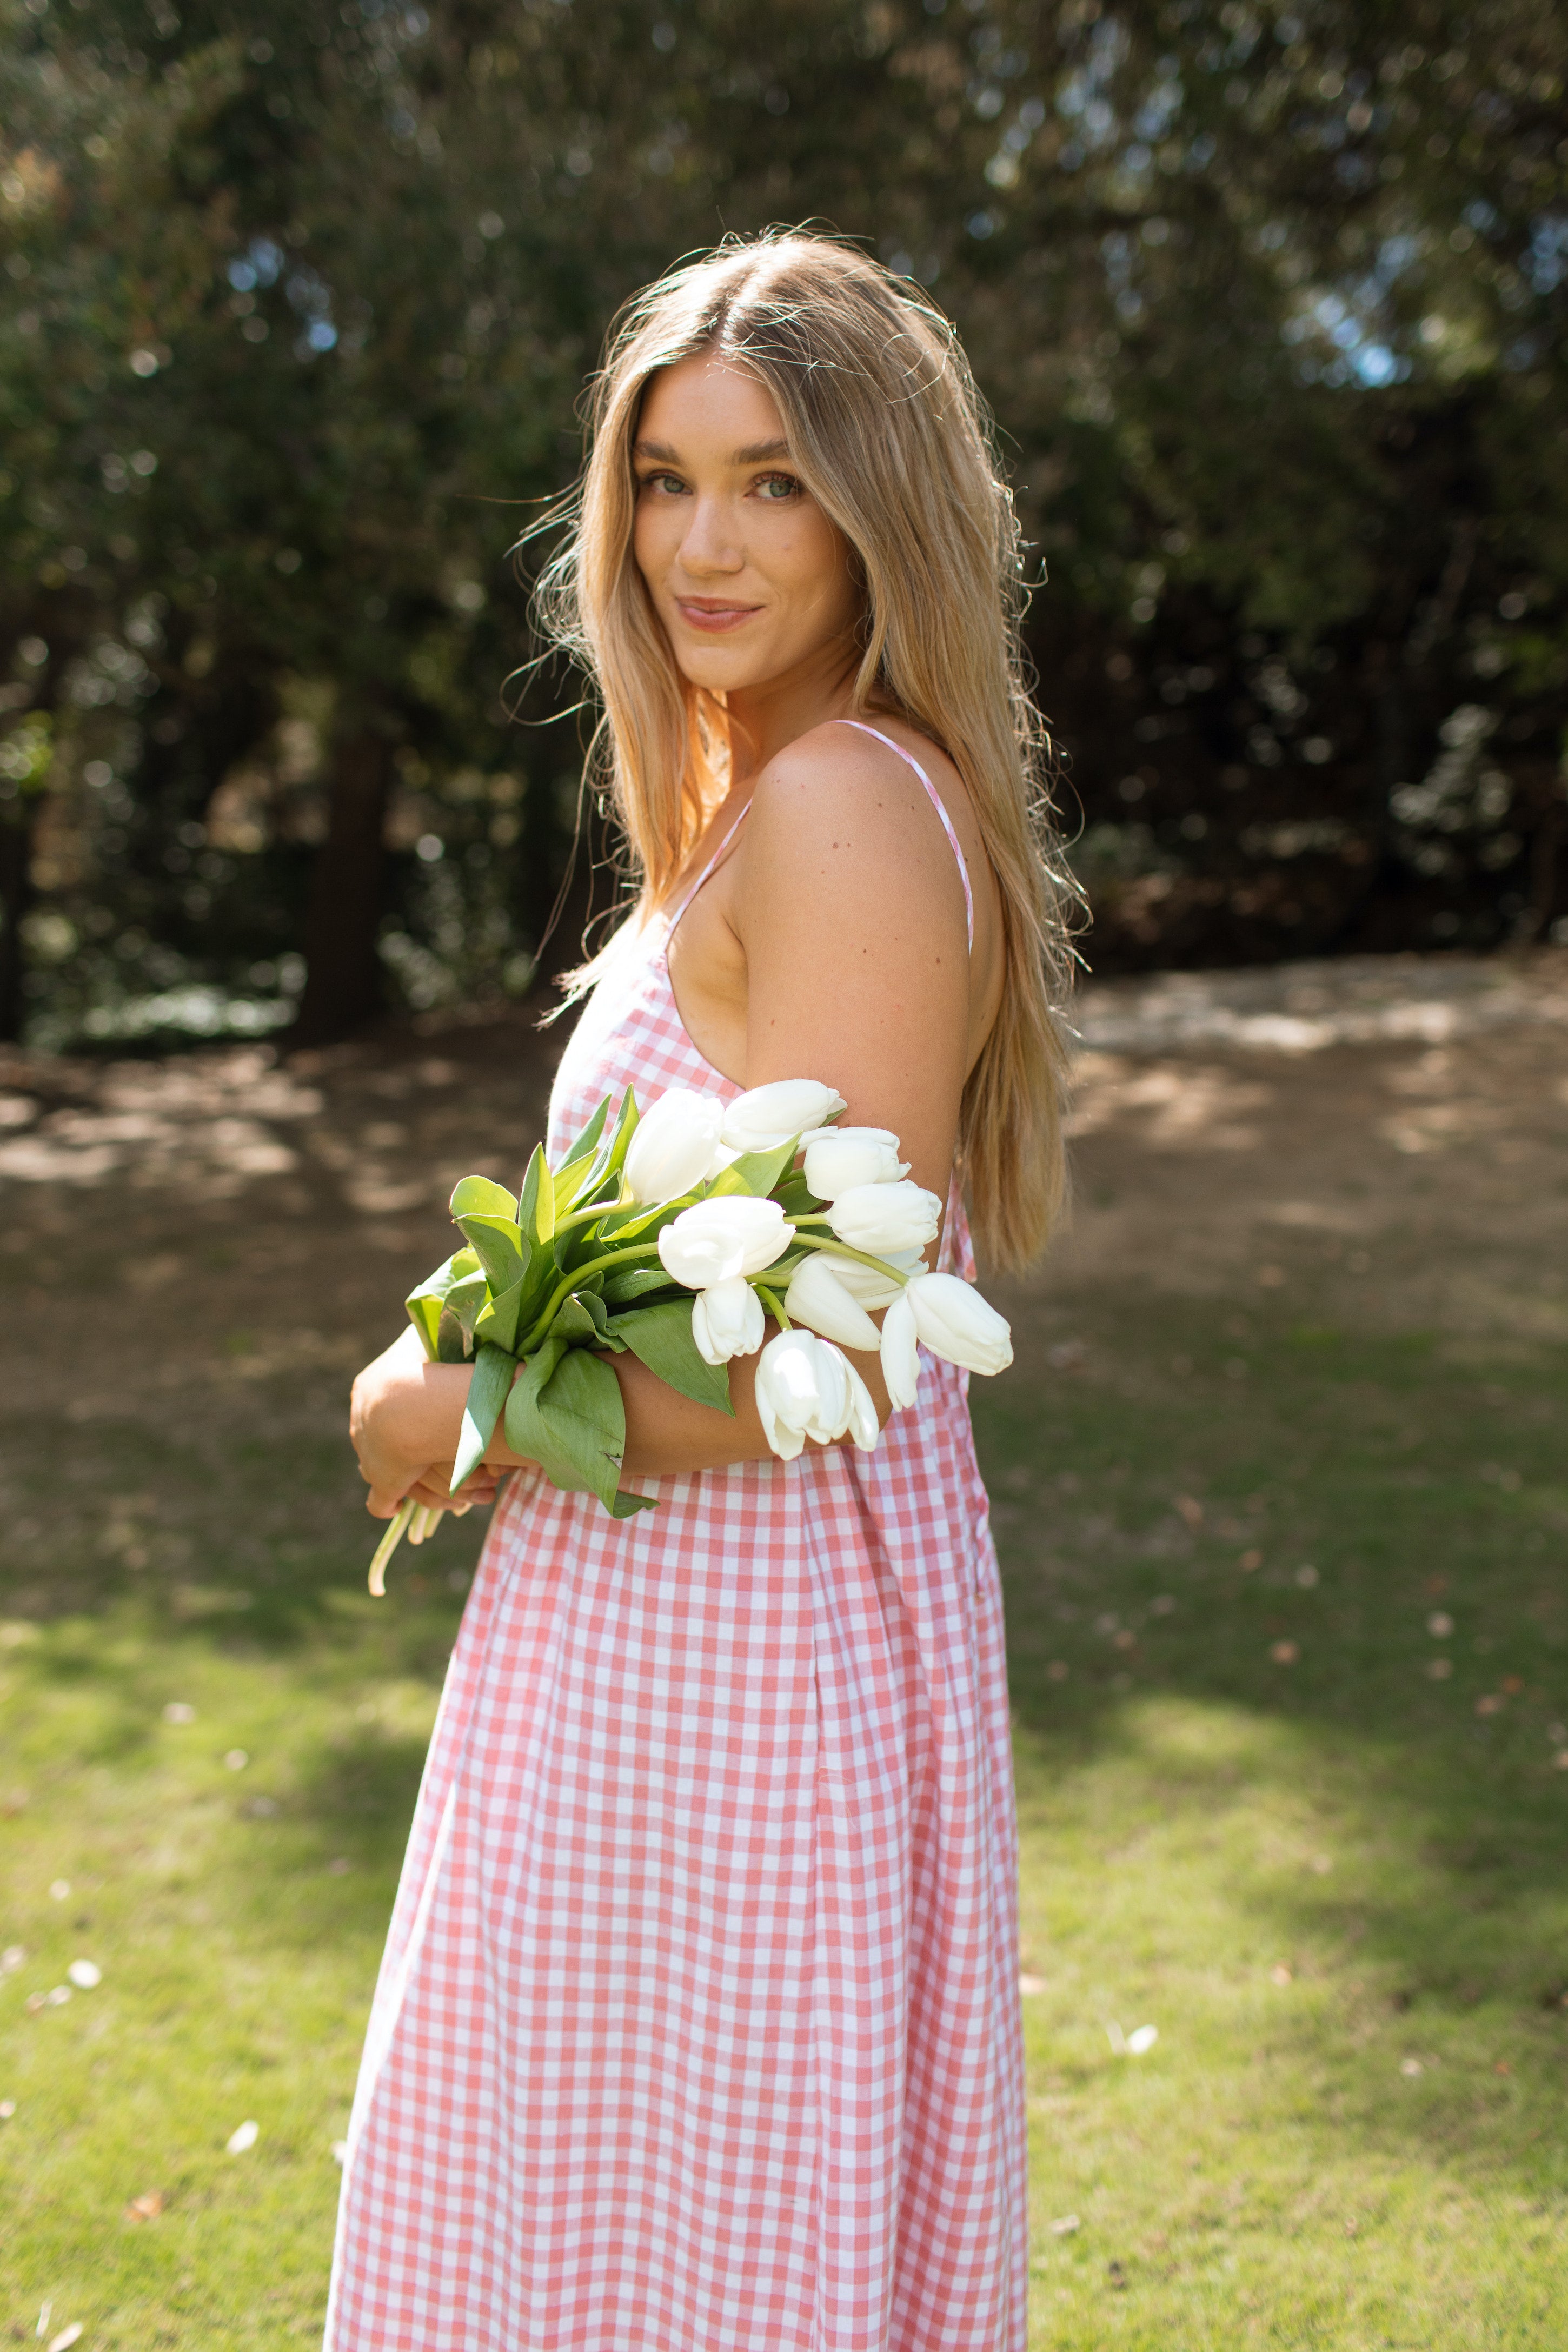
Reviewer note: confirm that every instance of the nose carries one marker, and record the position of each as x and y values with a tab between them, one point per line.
711	543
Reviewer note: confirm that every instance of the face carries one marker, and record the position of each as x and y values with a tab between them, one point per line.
753	583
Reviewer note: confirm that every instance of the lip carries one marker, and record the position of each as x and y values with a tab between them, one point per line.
713	618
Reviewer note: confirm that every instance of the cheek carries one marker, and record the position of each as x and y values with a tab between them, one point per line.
817	561
654	539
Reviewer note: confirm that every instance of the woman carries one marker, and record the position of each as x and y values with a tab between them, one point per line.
698	2028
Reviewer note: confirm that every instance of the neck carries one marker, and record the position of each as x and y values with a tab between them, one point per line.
764	719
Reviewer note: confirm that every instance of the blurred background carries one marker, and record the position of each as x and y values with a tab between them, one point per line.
296	307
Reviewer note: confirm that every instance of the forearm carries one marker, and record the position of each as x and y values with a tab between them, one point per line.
407	1414
668	1433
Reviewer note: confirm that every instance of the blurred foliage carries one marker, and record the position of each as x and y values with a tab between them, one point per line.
295	311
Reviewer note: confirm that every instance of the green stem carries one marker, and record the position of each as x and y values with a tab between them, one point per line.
573	1281
772	1303
837	1248
388	1544
585	1216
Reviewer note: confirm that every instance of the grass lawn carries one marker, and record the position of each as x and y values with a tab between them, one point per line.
1283	1555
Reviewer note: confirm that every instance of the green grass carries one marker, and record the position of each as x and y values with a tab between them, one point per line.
1198	1819
1335	1888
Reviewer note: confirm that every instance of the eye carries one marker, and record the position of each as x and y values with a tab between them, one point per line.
668	485
776	489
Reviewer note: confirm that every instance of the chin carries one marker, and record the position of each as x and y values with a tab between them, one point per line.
723	670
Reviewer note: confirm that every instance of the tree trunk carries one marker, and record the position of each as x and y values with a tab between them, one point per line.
15	897
342	969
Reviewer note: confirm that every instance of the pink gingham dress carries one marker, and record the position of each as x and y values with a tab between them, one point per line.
698	2028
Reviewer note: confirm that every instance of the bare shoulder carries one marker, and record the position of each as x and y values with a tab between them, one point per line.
838	809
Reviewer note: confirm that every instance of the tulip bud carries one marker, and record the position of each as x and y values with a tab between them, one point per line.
848	1155
727	1320
872	1289
955	1323
674	1145
882	1217
901	1355
817	1298
805	1388
713	1241
767	1116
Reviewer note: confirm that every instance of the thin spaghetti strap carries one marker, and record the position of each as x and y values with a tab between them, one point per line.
729	834
937	802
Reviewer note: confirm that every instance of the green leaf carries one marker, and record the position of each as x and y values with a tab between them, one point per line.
635	1283
755	1172
565	1414
536	1210
596	1306
424	1307
584	1147
425	1302
499	1321
573	1321
626	1127
466	1299
451	1345
626	1503
521	1405
794	1196
572	1177
661	1338
494	1371
499	1245
476	1196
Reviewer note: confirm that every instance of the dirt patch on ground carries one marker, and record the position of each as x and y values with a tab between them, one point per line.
1395	1130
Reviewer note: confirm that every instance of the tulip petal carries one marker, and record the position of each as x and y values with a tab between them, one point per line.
766	1116
727	1320
673	1144
900	1352
955	1323
879	1218
817	1298
863	1425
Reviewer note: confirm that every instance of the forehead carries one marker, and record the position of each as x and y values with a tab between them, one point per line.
708	404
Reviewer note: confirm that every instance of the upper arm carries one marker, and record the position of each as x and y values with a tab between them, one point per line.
850	911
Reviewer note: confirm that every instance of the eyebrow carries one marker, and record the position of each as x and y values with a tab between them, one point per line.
758	454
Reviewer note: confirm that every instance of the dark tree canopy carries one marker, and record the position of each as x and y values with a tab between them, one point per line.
295	311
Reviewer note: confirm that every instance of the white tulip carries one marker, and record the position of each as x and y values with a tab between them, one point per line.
713	1241
868	1286
900	1354
862	1427
674	1145
807	1388
957	1323
848	1155
817	1298
767	1116
727	1320
882	1217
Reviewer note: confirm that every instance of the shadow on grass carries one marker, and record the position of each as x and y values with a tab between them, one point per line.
1287	1637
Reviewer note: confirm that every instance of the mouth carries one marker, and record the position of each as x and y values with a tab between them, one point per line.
713	614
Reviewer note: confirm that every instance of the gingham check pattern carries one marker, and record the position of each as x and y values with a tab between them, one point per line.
698	2028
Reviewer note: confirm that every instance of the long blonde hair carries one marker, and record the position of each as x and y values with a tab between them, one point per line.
888	432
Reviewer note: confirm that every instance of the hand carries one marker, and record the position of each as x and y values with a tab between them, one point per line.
433	1487
404	1418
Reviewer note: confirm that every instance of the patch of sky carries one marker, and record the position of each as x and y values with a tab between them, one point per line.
1546	256
259	265
1354	327
1394	255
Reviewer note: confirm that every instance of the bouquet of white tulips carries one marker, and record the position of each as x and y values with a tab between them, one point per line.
761	1206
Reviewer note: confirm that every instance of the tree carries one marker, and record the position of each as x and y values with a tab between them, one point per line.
1268	304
